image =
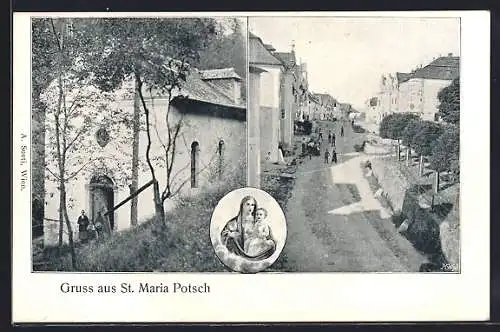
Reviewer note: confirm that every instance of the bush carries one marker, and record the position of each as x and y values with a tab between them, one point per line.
445	154
449	98
393	126
410	131
427	133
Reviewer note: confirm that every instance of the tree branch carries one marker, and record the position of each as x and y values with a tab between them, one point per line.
75	173
51	172
148	132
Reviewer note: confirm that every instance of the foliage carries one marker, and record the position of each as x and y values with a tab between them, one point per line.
393	125
446	151
449	98
227	49
410	132
47	36
84	109
426	136
156	53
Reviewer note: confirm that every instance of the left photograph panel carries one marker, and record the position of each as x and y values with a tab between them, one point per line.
138	129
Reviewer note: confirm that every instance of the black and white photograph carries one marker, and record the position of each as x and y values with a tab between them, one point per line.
354	127
139	125
320	166
248	230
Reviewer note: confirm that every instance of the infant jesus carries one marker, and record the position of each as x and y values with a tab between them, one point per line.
259	239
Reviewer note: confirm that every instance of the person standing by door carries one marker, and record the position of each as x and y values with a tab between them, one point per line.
83	224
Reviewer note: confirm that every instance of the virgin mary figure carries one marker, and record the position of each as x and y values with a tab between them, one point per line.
240	228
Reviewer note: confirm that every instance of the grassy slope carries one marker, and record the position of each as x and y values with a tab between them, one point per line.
183	244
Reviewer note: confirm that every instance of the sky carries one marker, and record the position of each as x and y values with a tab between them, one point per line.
346	56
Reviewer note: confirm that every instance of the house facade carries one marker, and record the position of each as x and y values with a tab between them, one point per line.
288	104
261	56
211	145
417	92
327	104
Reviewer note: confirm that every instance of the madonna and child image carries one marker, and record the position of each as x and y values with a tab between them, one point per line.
248	230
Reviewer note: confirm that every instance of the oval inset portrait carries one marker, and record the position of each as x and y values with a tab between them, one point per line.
248	230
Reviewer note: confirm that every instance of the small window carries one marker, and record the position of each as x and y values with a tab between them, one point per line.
220	154
195	156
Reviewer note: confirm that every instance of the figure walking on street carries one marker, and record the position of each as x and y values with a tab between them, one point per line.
342	131
327	156
330	137
334	156
333	139
310	148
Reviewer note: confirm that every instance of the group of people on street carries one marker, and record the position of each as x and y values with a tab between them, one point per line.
88	230
312	145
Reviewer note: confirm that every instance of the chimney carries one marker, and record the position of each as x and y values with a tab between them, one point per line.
450	54
269	47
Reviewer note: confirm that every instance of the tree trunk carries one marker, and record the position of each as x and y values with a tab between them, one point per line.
159	208
61	211
398	151
135	156
70	232
436	182
38	162
421	166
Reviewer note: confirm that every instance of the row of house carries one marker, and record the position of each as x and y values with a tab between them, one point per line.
280	95
414	92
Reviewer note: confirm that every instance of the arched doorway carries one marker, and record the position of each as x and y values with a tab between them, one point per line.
101	197
195	161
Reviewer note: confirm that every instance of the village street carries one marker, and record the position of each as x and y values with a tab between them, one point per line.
335	223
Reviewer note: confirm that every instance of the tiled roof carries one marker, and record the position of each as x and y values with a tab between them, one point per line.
259	54
446	61
403	77
196	89
325	97
444	68
287	58
213	74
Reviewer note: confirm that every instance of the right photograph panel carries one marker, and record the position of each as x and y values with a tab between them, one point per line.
353	127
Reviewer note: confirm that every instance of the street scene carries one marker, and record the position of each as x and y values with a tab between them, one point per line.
353	127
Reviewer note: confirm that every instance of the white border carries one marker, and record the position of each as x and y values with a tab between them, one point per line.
278	297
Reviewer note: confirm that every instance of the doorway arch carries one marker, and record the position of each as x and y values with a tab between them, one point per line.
101	197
